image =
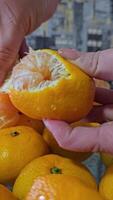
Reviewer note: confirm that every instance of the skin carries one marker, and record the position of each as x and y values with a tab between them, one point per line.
98	65
17	19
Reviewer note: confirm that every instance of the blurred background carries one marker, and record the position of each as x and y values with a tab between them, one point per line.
86	25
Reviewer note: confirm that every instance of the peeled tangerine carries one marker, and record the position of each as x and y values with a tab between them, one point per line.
45	85
50	164
61	187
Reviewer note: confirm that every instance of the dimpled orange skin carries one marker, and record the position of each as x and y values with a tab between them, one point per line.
107	159
9	115
50	164
106	184
5	194
34	123
70	100
63	187
18	146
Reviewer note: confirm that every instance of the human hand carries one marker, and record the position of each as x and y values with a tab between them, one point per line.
17	19
84	139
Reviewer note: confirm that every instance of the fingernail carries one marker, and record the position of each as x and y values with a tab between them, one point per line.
60	51
46	121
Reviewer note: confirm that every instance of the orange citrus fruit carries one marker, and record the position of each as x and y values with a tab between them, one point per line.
34	123
107	159
85	124
18	146
55	148
5	194
9	115
59	187
106	184
45	85
50	164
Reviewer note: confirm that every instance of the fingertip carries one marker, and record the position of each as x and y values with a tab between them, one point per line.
60	51
47	122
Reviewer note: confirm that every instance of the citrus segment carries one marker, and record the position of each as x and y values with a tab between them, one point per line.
61	187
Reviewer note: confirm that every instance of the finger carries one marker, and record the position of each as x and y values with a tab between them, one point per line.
96	64
23	49
106	138
82	139
104	96
71	54
71	138
10	42
100	114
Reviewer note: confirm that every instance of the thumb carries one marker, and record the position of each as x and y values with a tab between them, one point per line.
10	41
